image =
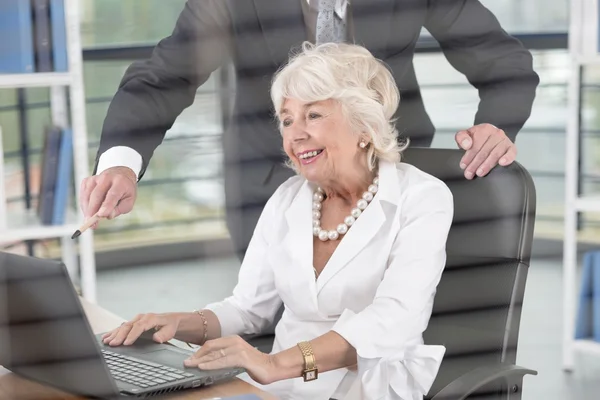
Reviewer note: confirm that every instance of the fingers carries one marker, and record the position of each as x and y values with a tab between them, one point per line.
130	331
490	147
503	150
87	185
146	323
109	334
463	140
479	141
97	195
219	353
218	363
165	329
479	153
109	194
165	333
116	336
216	359
110	201
509	157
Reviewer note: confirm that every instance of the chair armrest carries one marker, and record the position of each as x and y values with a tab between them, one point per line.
462	387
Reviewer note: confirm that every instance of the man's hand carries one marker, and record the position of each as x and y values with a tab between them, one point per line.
486	146
109	194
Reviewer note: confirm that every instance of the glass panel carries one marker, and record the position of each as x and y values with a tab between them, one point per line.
37	95
452	103
9	121
198	156
164	213
38	119
119	22
529	16
102	78
172	194
590	145
524	16
203	117
15	183
541	152
591	220
590	151
192	148
8	97
96	112
550	197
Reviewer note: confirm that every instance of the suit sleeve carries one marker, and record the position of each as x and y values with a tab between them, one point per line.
153	92
494	62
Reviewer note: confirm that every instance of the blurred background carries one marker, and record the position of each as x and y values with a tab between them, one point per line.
177	227
185	172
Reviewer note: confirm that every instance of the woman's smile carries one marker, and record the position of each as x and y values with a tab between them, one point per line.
309	157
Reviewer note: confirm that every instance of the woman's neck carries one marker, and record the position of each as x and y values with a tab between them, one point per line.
350	188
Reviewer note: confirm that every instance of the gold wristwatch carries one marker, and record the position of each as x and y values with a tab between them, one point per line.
310	372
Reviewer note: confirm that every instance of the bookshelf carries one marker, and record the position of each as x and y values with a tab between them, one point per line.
580	36
26	226
40	79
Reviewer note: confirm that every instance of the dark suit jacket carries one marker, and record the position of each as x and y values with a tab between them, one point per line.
257	35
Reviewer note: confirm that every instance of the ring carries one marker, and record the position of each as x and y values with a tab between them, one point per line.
222	353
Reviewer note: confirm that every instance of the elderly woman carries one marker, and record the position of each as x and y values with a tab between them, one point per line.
353	246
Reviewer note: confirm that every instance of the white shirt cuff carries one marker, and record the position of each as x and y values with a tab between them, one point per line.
228	316
120	156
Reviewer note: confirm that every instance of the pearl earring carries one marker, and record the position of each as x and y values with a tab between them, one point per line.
363	145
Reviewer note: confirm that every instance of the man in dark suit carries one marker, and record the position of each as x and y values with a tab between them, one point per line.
257	36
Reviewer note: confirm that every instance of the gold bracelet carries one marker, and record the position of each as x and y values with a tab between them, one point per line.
204	326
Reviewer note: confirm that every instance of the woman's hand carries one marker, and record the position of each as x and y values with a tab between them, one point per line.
233	351
165	326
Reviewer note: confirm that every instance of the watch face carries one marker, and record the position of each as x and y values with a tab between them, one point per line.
310	375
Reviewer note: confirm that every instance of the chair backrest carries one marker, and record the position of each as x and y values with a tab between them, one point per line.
477	308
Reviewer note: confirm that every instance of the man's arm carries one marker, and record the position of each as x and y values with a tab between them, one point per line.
494	62
154	92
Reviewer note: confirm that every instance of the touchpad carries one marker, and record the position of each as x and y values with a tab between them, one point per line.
167	357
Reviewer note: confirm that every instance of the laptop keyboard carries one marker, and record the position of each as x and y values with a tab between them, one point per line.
141	373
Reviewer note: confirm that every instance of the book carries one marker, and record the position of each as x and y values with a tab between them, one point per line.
42	35
583	324
59	36
63	178
16	46
49	165
587	325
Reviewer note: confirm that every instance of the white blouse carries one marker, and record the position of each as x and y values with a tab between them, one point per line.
376	290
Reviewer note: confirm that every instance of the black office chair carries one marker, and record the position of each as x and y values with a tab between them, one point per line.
477	307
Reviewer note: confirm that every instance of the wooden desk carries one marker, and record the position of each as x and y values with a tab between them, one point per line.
13	387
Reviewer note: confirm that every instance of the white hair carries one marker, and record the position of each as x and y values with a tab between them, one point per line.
362	84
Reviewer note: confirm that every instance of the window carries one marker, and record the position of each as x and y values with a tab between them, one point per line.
530	16
127	22
451	103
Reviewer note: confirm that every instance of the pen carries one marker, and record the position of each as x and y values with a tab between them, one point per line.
91	221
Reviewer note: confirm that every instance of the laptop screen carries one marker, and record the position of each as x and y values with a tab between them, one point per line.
44	335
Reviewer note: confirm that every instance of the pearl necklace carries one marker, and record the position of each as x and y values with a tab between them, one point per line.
342	228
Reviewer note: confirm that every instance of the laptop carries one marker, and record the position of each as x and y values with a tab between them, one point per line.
45	336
